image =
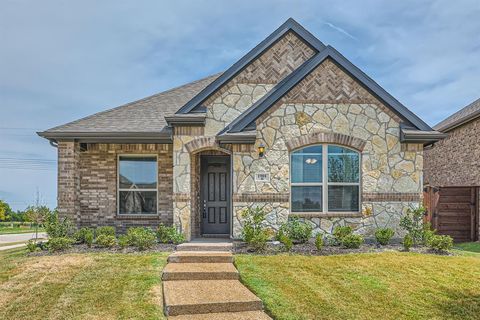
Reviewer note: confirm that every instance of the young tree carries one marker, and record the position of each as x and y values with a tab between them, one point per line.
5	210
37	215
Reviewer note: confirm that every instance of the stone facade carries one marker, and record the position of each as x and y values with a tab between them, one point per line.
87	181
453	161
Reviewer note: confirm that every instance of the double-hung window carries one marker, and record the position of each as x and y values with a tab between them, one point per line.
325	178
137	184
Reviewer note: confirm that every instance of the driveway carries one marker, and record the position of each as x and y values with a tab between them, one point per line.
16	239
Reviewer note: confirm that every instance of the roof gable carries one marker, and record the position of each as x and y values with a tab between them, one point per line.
290	26
247	119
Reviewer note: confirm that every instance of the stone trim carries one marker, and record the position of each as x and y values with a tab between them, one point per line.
326	214
205	143
326	137
261	197
181	197
413	147
391	196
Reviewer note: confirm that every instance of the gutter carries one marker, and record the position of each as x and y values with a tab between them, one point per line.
418	136
108	137
189	119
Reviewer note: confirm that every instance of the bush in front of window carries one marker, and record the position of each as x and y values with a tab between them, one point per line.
407	242
141	238
84	235
167	234
341	232
384	235
319	241
352	241
440	243
286	241
106	230
123	241
296	230
105	241
59	243
254	231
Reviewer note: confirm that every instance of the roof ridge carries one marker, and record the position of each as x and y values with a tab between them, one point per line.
237	67
282	88
135	101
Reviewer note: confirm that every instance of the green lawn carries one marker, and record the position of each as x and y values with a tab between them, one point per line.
468	246
365	286
81	286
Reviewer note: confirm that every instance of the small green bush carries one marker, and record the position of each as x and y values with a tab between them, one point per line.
296	230
352	241
32	245
57	228
105	241
106	230
319	241
286	241
84	235
254	232
141	238
407	242
383	235
59	243
123	241
341	232
169	235
440	243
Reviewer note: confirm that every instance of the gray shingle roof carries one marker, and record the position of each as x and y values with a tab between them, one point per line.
145	115
460	117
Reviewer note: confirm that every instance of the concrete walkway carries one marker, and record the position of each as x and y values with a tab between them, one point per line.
200	282
17	237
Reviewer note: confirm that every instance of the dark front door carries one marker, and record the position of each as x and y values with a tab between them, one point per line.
215	194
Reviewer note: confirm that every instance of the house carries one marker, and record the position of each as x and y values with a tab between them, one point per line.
452	169
293	127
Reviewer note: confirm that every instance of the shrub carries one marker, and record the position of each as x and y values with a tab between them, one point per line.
123	241
413	223
106	230
352	241
56	228
286	241
341	232
105	241
440	243
407	242
59	243
254	231
141	238
84	235
32	245
319	241
169	235
383	235
296	230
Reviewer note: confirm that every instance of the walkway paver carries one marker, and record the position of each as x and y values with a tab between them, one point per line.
201	282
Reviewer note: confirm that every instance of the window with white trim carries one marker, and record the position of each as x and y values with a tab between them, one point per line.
137	184
325	178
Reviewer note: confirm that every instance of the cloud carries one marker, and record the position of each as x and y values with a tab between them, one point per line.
64	60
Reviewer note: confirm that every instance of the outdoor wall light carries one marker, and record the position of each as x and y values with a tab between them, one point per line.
261	150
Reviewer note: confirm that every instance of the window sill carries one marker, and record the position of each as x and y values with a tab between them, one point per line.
137	216
327	214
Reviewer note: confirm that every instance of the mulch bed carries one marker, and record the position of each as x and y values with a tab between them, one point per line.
83	248
310	249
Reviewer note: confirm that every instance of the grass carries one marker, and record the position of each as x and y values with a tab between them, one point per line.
365	286
468	246
18	229
81	286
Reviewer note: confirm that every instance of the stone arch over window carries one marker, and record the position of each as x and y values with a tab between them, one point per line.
326	138
205	143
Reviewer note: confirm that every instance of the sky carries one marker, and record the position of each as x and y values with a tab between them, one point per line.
63	60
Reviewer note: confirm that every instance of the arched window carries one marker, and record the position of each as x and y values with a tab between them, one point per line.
325	178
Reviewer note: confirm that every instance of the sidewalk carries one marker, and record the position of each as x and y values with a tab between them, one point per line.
17	237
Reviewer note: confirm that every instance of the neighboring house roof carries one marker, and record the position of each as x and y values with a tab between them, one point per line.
250	115
464	115
289	25
142	116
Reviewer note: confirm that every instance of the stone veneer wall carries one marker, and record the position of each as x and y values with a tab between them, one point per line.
453	161
87	183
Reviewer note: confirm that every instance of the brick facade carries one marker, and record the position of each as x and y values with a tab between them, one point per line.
453	161
87	183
